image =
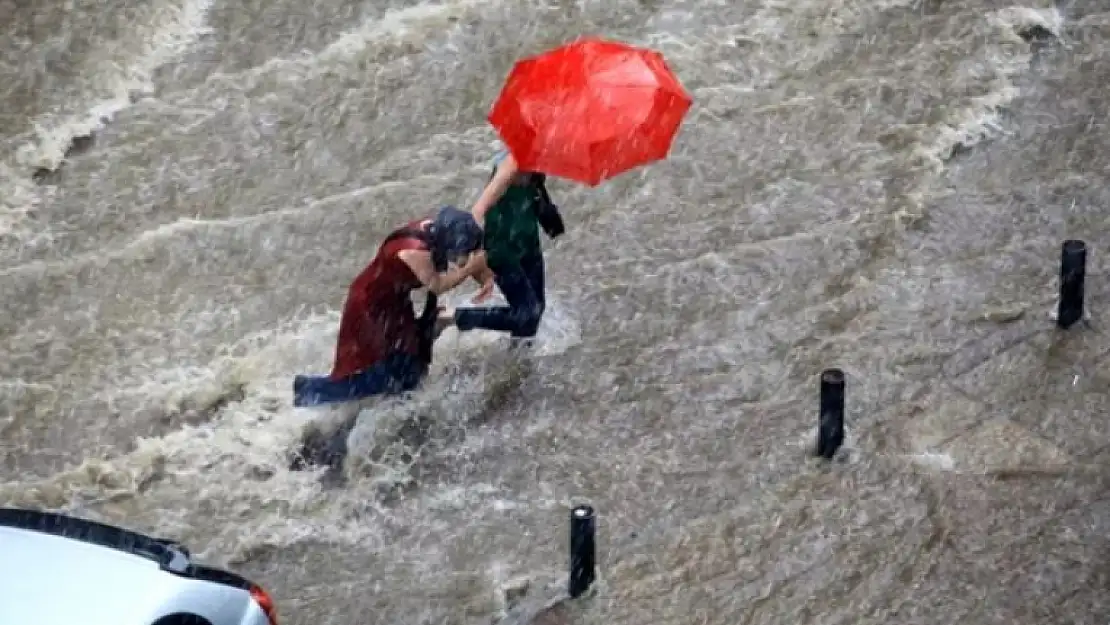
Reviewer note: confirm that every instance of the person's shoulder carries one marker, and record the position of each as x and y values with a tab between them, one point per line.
407	239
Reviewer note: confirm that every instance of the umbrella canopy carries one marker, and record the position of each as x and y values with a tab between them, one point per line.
590	110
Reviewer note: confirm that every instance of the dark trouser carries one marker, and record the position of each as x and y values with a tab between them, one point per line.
523	286
398	373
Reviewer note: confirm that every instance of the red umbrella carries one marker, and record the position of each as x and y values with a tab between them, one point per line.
590	110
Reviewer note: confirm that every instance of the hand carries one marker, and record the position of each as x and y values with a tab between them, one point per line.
484	292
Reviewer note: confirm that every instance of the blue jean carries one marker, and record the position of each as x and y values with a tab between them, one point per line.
523	286
398	373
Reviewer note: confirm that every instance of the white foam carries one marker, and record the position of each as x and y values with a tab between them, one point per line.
255	435
409	27
173	29
1009	57
176	28
187	226
932	460
19	198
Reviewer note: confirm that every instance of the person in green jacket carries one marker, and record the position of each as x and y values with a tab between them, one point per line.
512	209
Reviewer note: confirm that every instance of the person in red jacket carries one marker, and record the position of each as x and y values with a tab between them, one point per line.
382	347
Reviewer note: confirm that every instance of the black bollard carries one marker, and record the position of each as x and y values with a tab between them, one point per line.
582	550
1073	272
830	424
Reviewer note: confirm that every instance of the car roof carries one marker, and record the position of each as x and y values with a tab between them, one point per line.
168	555
56	570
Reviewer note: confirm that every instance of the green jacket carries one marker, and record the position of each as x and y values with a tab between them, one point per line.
512	231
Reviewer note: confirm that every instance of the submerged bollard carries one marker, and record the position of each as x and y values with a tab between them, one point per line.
830	424
1073	273
582	550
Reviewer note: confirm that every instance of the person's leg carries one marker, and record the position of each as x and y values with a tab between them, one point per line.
520	317
396	374
534	271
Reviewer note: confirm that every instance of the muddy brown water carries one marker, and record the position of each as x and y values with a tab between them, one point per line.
877	186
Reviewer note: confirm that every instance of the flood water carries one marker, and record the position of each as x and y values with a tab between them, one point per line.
879	186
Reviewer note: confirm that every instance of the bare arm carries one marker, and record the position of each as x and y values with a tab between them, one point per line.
496	187
483	276
482	273
439	283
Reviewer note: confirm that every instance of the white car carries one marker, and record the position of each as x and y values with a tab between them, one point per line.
59	570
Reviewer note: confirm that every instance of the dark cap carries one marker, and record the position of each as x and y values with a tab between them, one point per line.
454	233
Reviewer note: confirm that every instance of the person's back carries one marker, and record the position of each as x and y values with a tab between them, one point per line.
511	229
378	317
